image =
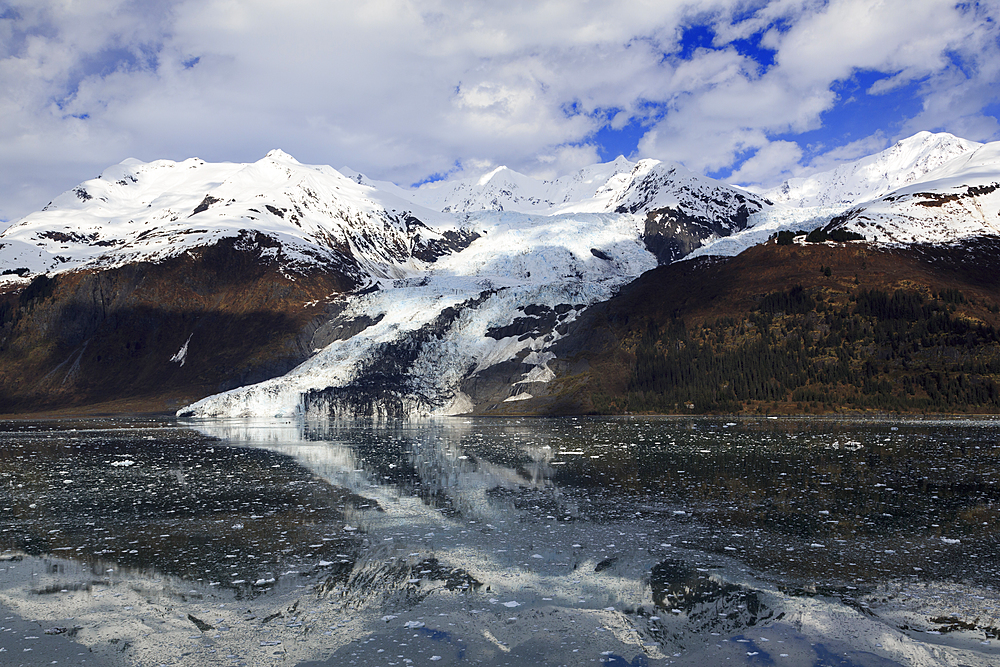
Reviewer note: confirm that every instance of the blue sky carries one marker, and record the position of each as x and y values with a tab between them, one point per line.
750	91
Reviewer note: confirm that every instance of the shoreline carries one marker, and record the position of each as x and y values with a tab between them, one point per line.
100	411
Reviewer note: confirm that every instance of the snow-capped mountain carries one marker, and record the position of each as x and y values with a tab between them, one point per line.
438	294
452	289
588	190
307	215
312	215
928	188
904	163
680	210
619	186
958	200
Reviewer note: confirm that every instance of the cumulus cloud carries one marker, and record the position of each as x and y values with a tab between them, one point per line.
405	89
737	111
776	159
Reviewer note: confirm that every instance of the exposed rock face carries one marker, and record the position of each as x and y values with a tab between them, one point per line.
450	241
683	212
672	234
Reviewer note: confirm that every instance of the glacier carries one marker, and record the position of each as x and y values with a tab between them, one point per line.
515	264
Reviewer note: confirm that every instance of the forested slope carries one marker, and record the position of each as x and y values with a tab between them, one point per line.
793	329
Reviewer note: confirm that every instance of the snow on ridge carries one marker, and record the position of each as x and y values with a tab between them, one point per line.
150	211
928	188
907	161
765	224
959	199
155	210
587	190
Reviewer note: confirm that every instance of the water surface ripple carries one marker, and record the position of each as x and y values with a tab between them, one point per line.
631	541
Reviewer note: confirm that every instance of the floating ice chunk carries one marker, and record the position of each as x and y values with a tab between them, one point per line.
389	617
412	625
950	541
123	464
511	604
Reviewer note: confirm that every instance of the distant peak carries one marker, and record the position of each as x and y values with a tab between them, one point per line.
278	154
925	137
486	178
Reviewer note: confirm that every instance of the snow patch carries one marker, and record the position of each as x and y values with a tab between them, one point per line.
181	355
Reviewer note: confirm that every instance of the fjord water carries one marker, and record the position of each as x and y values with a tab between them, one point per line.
631	541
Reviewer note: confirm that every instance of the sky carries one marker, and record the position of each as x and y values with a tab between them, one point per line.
411	91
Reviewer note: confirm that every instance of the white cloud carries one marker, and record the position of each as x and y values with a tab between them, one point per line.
849	152
769	164
401	89
725	112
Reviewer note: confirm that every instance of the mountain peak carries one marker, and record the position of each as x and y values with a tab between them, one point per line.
907	161
278	155
487	177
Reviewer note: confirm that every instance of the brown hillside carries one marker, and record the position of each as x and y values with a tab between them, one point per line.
696	328
103	341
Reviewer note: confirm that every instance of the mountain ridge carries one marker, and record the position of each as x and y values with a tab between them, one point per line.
905	162
440	300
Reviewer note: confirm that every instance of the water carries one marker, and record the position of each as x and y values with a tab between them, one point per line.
543	541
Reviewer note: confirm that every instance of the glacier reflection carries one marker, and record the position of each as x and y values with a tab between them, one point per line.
550	541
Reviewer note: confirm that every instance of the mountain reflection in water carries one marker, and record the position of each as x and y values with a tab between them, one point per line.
672	540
